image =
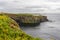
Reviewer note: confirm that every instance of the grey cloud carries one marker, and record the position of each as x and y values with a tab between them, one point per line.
53	0
3	3
14	6
41	6
9	7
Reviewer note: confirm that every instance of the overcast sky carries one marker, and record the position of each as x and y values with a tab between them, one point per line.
42	6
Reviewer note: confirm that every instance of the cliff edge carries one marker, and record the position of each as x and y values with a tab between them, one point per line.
9	30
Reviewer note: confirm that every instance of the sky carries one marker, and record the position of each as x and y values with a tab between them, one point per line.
40	6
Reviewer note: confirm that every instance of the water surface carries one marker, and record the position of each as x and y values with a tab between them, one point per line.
46	30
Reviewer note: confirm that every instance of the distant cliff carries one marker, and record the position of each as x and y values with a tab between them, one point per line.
28	19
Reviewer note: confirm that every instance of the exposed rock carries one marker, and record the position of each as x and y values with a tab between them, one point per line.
44	18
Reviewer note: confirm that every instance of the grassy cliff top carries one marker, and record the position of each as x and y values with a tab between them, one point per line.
26	18
9	30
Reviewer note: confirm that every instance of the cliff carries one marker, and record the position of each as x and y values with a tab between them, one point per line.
9	30
28	19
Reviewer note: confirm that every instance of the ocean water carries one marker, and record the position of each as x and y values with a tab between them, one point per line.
46	30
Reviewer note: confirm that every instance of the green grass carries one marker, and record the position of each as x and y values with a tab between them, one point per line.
9	30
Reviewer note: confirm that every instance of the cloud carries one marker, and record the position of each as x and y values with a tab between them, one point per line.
53	0
30	5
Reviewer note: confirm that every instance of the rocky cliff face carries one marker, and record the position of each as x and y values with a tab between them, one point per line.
28	19
9	30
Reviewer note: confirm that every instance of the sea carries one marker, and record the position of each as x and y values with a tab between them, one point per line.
47	30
